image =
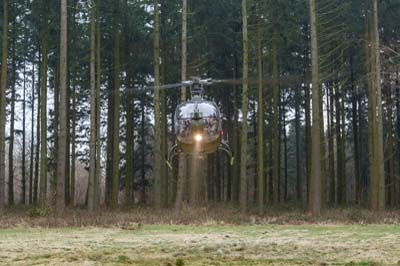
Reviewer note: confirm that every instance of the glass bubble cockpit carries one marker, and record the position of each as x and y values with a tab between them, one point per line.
198	122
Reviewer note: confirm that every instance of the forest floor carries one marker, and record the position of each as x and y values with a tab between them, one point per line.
353	238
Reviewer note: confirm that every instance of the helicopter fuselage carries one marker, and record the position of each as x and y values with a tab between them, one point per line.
198	125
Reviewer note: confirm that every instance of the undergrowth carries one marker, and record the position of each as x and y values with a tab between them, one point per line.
211	215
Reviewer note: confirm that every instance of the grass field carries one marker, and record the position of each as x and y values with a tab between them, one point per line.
213	244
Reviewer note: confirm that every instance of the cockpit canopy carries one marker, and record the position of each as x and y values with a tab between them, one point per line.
197	115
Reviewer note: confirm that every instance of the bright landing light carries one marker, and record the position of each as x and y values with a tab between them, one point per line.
198	137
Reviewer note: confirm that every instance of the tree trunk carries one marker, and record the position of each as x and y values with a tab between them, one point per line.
332	184
390	153
3	86
67	181
228	102
174	173
299	181
354	107
236	136
116	103
62	138
73	143
253	189
398	130
260	136
71	69
375	106
23	170
322	148
275	123
98	106
54	152
182	158
343	147
163	108
330	146
286	185
110	127
31	177
368	64
43	108
143	155
92	144
38	136
243	151
73	109
157	112
164	146
12	118
315	178
307	110
341	188
129	177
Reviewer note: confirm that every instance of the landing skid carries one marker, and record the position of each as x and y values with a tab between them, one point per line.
225	148
175	150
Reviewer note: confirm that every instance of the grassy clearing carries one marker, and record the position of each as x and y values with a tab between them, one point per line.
170	245
217	235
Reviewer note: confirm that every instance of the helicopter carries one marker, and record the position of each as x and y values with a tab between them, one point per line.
198	122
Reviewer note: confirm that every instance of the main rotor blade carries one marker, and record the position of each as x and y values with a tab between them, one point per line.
228	81
283	80
161	87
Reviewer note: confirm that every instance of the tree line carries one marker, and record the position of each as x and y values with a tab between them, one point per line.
313	120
